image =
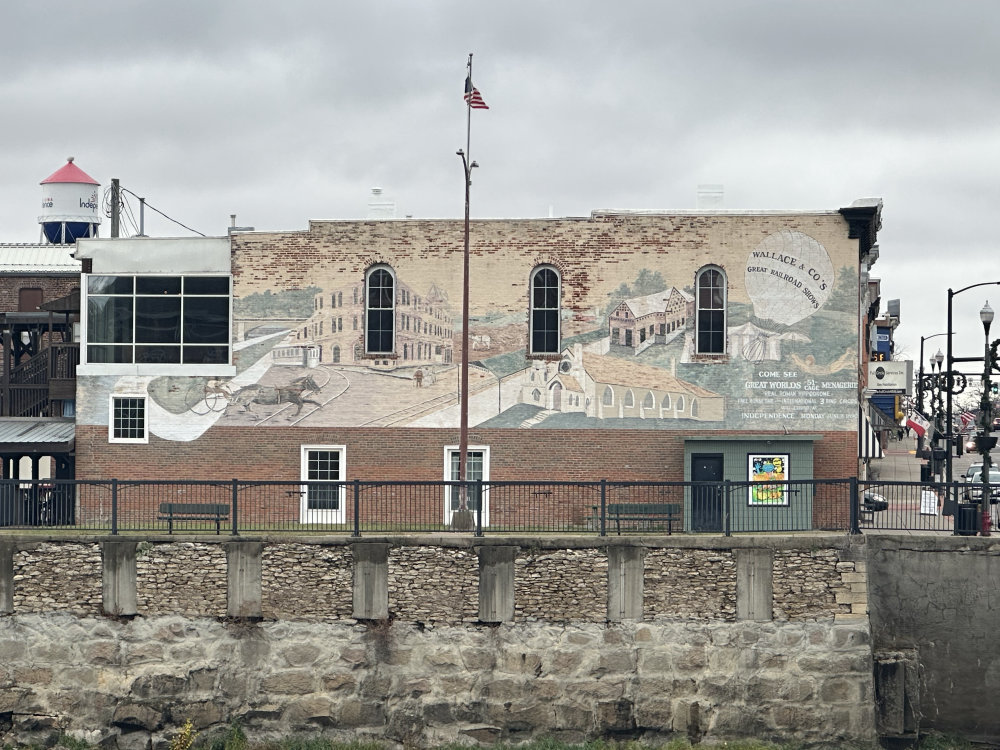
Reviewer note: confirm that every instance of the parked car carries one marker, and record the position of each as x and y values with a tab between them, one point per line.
974	486
972	470
872	501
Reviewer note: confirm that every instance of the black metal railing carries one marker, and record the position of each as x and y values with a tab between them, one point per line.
602	507
951	507
360	507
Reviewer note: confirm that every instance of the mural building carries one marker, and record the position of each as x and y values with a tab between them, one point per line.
625	345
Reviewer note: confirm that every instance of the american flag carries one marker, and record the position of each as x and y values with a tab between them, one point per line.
967	418
472	96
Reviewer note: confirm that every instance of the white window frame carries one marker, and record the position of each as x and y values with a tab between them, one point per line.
150	368
533	308
449	450
391	352
322	516
112	399
699	310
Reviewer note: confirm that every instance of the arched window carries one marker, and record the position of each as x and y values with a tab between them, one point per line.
694	407
680	403
710	316
336	354
545	296
649	402
380	311
629	398
608	399
666	402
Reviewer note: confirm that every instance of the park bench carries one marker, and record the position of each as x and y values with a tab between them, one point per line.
171	512
668	513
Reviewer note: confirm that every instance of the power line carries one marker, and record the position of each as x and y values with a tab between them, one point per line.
127	209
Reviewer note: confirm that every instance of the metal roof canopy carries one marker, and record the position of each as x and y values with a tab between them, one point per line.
41	435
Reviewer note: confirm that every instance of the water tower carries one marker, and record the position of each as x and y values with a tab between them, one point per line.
69	205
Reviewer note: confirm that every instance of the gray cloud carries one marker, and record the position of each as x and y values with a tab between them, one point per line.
285	112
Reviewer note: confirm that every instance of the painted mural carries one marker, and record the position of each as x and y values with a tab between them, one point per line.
628	363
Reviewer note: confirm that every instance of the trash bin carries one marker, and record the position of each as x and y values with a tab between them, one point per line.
966	519
925	472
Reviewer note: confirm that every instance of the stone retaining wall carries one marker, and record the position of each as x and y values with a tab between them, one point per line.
695	660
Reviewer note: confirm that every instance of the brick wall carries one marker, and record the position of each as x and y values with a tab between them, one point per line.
53	287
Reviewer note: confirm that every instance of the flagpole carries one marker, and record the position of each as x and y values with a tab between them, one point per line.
461	518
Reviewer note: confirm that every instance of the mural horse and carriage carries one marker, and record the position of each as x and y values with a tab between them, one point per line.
217	396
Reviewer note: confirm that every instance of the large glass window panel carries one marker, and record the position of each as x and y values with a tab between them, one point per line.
158	285
165	354
218	285
194	355
109	354
110	284
206	320
109	319
158	320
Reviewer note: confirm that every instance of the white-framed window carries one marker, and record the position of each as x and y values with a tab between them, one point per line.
128	421
380	311
158	319
545	310
710	315
323	494
477	469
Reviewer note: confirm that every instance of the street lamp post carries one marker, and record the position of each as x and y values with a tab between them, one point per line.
921	383
985	441
935	381
938	435
951	364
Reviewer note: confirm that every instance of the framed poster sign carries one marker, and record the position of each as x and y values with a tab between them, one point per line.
764	467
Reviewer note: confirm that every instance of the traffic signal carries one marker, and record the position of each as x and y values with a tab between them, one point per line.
995	388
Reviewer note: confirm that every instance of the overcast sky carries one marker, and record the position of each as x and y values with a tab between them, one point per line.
282	112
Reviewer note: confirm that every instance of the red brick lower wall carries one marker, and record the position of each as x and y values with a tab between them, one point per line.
418	454
414	455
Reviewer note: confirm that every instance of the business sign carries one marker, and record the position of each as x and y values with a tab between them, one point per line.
891	377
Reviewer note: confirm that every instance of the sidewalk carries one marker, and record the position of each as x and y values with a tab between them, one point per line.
901	464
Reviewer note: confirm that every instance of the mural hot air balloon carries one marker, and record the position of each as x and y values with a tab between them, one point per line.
789	276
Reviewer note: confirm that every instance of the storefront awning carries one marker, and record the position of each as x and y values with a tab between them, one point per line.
869	445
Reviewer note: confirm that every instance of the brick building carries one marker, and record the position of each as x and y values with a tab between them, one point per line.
331	353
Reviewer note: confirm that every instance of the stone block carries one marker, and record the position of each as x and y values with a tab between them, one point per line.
156	686
301	654
12	650
358	713
289	682
615	716
335	682
311	709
